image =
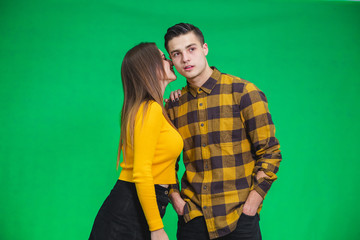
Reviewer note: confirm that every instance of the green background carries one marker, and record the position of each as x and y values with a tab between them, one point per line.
61	95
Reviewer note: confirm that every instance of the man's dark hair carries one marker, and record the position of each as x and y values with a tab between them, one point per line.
180	29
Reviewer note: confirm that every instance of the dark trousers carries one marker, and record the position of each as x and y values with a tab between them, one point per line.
121	215
247	229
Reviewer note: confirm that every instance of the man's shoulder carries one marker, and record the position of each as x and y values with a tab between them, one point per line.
171	105
184	90
239	84
228	78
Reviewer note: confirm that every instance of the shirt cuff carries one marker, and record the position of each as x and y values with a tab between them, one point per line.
262	186
173	188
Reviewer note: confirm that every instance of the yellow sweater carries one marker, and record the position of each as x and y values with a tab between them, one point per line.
152	160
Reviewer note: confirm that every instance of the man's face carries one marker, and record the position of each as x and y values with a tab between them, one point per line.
188	55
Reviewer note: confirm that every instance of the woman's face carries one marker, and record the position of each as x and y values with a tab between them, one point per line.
168	67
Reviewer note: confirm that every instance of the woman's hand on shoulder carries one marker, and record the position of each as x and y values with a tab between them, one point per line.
174	96
159	235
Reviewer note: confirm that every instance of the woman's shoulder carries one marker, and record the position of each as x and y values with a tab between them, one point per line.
152	108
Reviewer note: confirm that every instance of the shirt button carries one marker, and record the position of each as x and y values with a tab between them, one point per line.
162	207
204	145
205	187
202	124
204	207
200	104
206	166
166	192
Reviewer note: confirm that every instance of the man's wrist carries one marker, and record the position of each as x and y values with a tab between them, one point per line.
173	190
262	183
174	196
252	203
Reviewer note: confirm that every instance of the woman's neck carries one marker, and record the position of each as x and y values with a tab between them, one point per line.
163	85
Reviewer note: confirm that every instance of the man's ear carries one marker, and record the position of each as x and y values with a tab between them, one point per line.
206	49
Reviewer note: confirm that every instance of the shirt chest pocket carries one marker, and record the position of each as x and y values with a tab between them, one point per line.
225	125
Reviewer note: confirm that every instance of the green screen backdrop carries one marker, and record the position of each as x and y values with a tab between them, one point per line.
61	95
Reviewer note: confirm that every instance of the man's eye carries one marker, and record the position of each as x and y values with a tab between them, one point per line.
175	54
191	49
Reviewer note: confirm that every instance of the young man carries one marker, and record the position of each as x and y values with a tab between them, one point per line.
230	151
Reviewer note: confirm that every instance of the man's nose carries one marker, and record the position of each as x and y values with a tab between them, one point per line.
186	57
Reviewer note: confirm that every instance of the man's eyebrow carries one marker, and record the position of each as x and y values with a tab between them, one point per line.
177	50
190	45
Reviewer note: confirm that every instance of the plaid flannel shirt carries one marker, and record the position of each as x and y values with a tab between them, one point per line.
228	137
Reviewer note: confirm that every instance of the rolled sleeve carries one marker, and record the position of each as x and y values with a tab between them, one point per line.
261	131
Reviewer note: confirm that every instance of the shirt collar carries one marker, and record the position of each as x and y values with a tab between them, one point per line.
208	85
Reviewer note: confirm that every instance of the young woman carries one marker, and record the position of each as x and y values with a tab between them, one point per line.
150	146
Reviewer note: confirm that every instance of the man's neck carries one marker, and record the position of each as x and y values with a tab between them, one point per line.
198	81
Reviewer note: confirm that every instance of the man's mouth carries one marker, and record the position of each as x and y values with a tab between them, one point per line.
189	67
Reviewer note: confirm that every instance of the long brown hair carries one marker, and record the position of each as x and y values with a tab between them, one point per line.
140	72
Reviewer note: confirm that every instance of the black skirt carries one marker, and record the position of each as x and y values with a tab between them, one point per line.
121	215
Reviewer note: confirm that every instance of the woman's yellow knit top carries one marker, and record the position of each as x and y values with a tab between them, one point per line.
152	159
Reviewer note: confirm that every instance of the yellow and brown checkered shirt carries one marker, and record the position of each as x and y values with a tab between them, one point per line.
228	137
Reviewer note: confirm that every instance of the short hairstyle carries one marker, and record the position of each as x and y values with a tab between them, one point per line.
180	29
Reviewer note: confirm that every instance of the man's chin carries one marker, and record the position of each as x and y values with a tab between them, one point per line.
188	75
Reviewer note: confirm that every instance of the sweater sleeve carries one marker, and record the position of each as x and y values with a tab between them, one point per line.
146	134
171	114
